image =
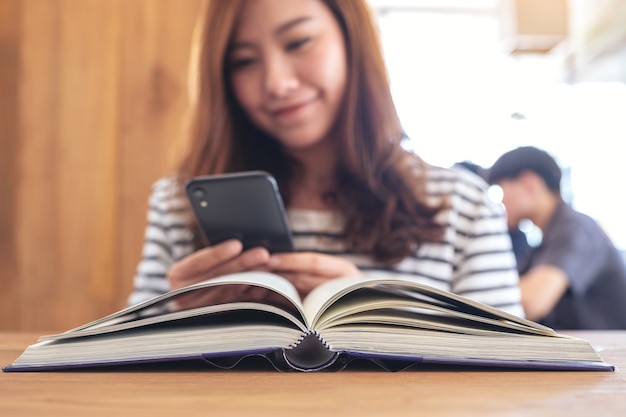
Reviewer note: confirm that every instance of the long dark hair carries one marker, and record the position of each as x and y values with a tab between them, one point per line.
378	190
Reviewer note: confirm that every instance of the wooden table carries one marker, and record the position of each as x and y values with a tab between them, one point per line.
362	392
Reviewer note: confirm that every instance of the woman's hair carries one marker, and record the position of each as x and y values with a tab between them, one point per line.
378	191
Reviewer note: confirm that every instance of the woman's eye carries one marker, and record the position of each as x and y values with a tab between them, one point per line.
238	63
297	44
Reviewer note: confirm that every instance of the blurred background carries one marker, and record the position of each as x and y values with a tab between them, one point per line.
473	79
93	96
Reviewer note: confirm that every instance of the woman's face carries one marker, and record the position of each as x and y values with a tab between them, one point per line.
288	69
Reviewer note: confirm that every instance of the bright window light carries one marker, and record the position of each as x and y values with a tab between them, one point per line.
461	98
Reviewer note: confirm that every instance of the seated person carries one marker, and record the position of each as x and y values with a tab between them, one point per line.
576	278
307	100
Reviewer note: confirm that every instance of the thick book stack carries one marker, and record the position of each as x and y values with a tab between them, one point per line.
394	323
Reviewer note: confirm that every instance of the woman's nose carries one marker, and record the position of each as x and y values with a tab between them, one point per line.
280	77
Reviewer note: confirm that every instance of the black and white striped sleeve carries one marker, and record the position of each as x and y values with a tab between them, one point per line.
485	268
167	239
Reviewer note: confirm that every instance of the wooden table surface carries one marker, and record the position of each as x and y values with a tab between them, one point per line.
360	391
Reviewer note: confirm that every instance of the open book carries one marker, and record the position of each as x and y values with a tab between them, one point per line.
395	323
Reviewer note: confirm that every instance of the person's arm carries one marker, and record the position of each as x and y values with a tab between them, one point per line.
542	287
158	247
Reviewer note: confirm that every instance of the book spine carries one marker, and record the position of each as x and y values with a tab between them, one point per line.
309	353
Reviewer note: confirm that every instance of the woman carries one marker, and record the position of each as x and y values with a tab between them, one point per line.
298	88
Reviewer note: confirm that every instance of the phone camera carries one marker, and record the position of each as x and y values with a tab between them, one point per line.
198	193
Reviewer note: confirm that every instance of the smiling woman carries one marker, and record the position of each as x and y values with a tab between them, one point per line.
288	72
99	93
299	89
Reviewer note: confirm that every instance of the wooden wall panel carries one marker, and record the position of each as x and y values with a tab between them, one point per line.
67	161
9	67
87	171
36	216
97	90
154	100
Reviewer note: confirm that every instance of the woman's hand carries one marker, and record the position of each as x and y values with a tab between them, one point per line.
225	258
307	270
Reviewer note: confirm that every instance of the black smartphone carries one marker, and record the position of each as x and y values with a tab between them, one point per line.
243	205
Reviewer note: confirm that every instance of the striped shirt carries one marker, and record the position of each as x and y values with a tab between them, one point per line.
473	260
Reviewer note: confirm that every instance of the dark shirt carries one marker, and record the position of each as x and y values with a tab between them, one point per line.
521	248
596	297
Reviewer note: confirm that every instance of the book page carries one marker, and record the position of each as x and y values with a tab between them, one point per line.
325	301
266	280
178	316
323	295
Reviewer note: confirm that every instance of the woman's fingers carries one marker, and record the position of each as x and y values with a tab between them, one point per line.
252	259
201	262
225	258
313	264
307	270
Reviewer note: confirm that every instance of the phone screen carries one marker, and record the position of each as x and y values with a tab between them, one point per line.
246	206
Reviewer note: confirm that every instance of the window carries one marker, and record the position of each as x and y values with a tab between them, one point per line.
460	97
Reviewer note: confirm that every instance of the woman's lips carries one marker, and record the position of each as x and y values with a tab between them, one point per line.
286	111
